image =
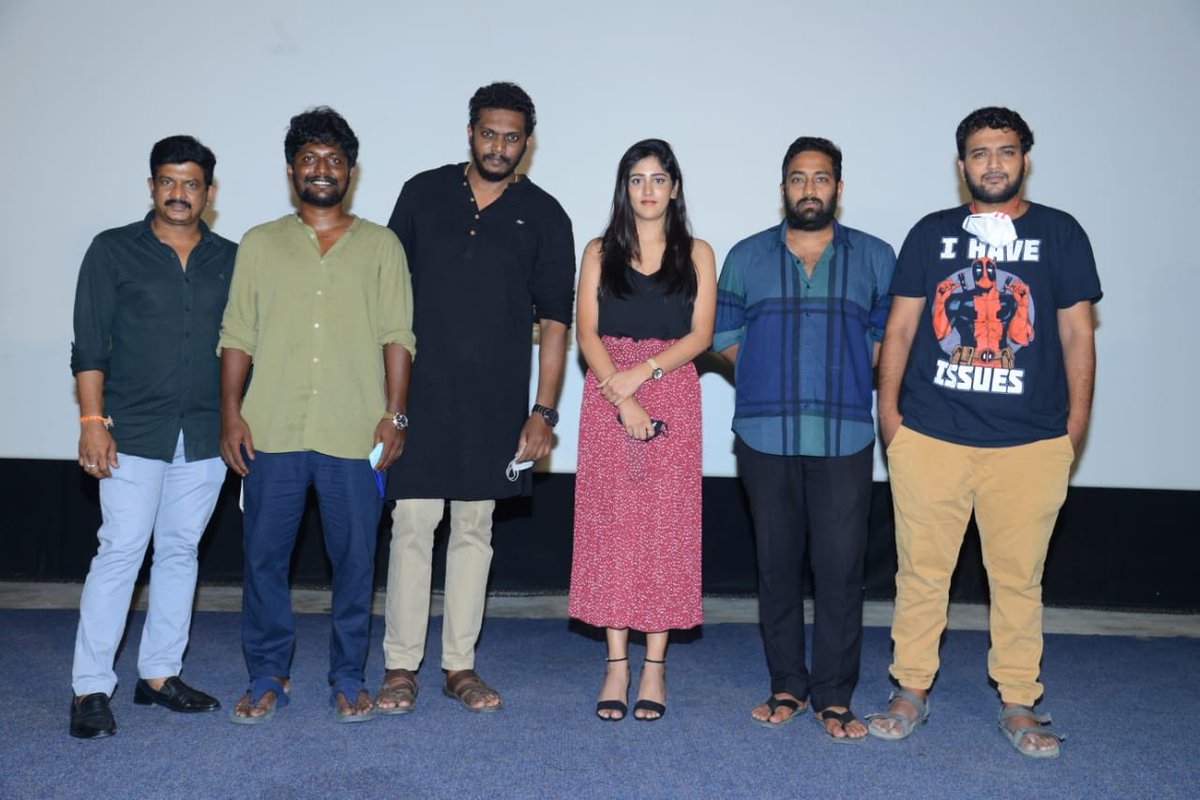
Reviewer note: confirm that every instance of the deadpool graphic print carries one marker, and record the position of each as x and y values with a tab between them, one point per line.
983	317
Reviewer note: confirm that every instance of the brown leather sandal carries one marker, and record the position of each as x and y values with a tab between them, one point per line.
400	689
467	687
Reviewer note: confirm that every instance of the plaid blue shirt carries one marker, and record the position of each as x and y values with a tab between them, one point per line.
803	369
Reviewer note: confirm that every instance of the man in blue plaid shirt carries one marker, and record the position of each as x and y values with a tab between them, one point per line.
801	309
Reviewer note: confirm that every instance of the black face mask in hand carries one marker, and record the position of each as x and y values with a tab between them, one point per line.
660	427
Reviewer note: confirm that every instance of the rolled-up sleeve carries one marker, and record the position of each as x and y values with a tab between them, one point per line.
553	283
95	306
395	293
239	324
884	266
731	305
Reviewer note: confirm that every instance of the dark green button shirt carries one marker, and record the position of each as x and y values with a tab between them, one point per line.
151	327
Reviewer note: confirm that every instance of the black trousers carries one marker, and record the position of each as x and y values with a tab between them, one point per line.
814	506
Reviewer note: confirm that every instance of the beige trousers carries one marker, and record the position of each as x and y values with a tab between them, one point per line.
410	567
1016	493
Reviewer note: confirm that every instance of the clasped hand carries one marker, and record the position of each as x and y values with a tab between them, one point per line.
620	386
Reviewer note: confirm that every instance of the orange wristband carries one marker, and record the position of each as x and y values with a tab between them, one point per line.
108	423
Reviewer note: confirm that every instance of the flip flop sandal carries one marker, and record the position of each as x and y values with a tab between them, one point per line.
907	725
843	717
400	687
1014	736
350	689
774	703
258	688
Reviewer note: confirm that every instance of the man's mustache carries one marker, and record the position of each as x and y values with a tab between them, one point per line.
179	202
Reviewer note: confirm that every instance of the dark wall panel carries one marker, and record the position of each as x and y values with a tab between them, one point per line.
1114	548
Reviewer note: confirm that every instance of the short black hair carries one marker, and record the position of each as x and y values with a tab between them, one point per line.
998	118
805	143
324	126
506	96
179	150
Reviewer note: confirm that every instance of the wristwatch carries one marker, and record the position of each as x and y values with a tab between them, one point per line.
657	370
548	414
398	419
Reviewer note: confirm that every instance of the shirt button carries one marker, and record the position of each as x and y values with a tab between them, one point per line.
316	360
476	216
316	324
314	391
318	292
472	232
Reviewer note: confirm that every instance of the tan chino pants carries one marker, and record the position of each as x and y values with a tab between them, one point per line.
1016	493
410	567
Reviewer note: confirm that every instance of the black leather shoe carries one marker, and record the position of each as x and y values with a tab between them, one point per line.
91	718
175	695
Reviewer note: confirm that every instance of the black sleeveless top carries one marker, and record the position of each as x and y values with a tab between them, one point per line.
647	312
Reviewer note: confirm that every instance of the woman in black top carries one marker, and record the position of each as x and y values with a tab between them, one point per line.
647	299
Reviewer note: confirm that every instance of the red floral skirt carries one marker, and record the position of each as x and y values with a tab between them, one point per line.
636	559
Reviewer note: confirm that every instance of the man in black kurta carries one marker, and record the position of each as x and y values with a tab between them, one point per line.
490	253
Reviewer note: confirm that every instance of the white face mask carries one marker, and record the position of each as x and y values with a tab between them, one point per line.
995	229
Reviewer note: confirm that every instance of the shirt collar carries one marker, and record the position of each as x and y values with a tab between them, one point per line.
146	230
840	237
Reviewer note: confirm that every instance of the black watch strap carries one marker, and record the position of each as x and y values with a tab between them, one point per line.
548	414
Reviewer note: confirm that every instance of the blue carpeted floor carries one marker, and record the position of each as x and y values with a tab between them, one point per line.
1129	705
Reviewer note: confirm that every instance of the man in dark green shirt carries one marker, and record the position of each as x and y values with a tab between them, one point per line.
147	312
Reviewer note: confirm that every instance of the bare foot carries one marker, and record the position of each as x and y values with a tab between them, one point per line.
362	705
652	687
854	729
615	687
762	711
245	708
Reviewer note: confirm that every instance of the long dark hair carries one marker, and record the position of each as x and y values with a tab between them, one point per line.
619	246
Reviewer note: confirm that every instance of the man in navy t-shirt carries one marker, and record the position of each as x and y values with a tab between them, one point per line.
985	388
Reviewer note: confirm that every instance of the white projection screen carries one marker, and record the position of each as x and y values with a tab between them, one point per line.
1108	87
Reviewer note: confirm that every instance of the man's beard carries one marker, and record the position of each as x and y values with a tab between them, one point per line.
510	165
981	194
811	219
308	196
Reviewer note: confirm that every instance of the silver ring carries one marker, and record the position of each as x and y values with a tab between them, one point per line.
89	466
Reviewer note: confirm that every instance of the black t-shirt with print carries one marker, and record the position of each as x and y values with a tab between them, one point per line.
986	366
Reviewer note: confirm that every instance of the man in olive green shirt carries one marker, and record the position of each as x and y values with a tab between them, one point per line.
321	304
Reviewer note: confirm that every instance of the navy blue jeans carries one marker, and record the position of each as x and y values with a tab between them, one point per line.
350	506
